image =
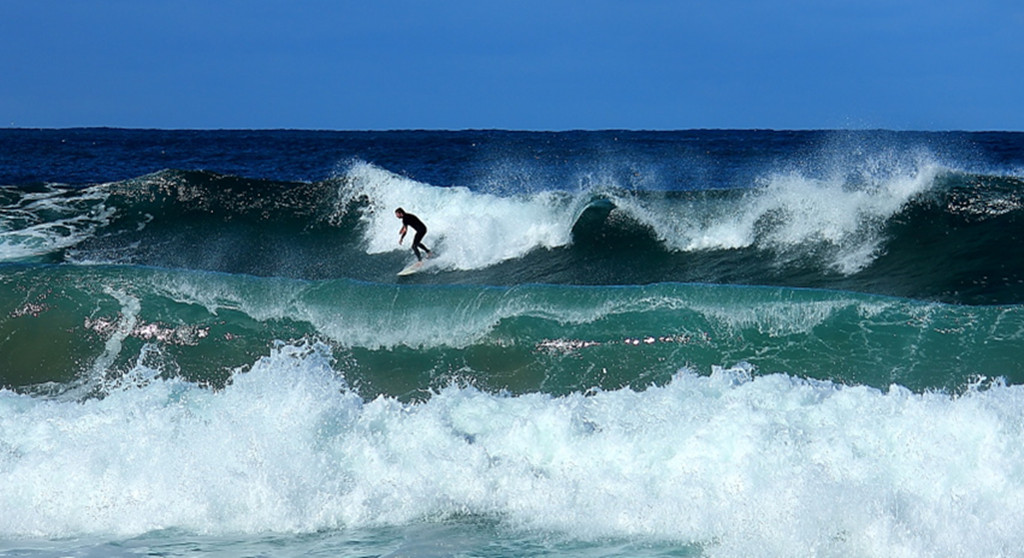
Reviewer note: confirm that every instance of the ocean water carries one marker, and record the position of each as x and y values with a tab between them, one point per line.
695	343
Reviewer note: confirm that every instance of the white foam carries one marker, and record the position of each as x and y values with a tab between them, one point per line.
70	218
794	210
766	466
469	230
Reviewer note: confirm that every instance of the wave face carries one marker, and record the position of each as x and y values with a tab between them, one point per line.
694	343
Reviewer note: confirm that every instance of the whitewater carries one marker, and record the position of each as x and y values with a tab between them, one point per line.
733	464
694	343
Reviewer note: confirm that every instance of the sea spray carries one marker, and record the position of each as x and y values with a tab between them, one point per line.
469	230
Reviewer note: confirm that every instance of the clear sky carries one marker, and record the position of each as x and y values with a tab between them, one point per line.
517	64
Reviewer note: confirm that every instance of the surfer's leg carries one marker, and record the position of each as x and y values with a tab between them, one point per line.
417	244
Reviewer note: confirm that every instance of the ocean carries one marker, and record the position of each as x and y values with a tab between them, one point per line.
721	343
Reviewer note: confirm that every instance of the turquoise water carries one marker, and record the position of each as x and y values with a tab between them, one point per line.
400	341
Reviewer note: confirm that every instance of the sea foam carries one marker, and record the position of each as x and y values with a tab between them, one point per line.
468	229
790	211
46	222
740	465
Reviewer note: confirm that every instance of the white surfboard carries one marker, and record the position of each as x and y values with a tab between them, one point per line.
418	266
411	268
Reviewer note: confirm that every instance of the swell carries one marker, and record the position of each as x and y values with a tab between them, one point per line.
76	328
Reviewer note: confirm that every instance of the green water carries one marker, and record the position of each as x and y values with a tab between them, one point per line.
63	324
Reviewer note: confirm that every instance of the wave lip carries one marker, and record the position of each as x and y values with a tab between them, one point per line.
794	211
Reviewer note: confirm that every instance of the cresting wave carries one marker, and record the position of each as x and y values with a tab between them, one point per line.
870	231
786	212
874	236
478	229
732	464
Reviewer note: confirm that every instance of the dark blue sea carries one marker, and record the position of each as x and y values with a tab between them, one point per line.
722	343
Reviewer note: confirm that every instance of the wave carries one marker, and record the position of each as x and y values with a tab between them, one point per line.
784	213
403	341
733	464
913	229
616	351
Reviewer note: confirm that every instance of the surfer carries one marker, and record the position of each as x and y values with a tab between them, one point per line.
410	220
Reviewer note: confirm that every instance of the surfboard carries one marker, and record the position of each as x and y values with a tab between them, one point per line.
411	268
418	266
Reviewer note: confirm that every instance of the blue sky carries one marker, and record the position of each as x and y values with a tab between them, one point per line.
521	64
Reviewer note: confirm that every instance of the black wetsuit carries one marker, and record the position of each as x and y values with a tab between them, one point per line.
410	220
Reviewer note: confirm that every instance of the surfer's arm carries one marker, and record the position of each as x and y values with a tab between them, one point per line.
401	233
